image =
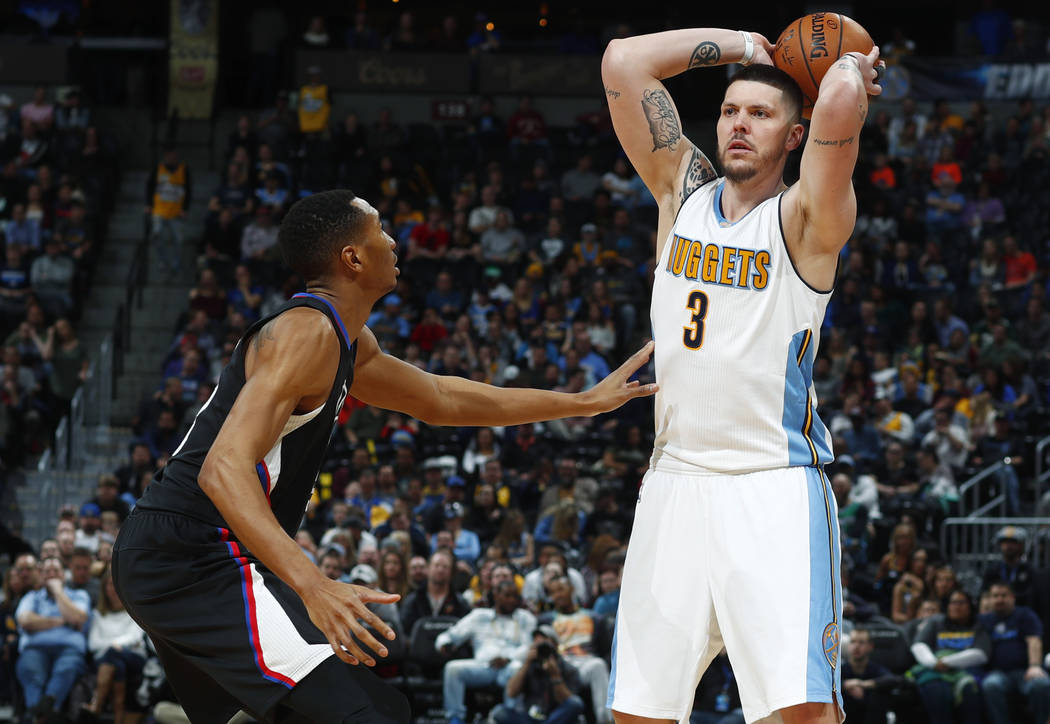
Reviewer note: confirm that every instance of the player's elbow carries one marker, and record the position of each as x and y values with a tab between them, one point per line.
614	59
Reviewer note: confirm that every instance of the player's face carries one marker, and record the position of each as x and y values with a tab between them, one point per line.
377	249
755	131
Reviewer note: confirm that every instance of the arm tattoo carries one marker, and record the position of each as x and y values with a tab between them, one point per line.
707	53
699	172
862	111
827	142
263	336
663	121
614	94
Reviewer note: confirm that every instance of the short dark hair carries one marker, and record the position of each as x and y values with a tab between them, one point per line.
315	230
773	76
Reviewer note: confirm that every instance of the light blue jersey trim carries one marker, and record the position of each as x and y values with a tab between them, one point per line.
823	673
806	434
612	668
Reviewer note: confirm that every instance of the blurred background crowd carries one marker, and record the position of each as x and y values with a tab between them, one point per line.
526	255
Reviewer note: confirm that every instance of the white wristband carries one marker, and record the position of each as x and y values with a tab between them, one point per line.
749	48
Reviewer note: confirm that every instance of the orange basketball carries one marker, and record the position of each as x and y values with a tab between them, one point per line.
808	47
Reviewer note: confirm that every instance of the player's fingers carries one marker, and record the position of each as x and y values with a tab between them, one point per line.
873	54
370	596
632	384
764	41
645	390
374	621
367	639
637	359
357	653
341	652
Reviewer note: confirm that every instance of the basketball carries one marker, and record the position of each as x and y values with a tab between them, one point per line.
808	47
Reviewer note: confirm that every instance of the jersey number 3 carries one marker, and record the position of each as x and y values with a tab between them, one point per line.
693	333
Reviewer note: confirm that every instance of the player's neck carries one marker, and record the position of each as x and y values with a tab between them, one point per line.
350	303
740	198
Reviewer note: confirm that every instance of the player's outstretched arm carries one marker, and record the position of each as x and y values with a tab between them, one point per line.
291	361
646	119
391	384
823	200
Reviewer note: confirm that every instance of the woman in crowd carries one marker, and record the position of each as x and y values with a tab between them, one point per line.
951	649
119	648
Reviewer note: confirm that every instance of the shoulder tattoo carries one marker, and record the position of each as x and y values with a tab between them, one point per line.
697	173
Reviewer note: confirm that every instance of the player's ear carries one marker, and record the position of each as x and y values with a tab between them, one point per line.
350	258
795	136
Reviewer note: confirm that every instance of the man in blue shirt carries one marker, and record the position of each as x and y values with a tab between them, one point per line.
52	621
1015	666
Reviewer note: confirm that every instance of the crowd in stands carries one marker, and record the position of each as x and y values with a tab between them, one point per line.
57	180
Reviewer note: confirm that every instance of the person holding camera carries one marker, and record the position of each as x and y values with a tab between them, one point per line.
544	688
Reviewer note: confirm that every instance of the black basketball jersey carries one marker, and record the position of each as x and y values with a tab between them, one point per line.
288	471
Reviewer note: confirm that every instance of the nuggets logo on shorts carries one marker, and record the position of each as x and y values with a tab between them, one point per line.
831	644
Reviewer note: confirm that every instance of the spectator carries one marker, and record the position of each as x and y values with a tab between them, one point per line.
526	130
388	325
717	698
864	682
546	684
467	547
951	650
52	647
51	277
314	104
579	184
551	563
316	34
501	637
574	628
949	440
362	36
1013	567
259	240
1015	665
436	597
910	590
118	646
944	206
69	362
168	196
39	111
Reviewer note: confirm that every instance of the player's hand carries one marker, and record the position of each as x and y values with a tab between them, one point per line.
870	70
338	610
763	50
615	389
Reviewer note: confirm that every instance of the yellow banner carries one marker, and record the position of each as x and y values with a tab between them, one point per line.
193	61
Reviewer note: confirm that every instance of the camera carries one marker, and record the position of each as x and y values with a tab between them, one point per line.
544	650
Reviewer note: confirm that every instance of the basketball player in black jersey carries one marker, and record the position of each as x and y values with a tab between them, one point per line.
207	565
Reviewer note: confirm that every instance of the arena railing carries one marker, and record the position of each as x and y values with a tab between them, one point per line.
1042	470
971	492
969	543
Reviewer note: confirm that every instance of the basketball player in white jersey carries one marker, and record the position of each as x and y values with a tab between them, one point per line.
735	539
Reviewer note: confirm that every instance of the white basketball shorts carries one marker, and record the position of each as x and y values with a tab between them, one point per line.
750	562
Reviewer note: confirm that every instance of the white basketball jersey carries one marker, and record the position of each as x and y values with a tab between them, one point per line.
736	332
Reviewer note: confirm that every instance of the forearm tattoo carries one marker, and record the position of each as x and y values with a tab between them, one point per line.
663	121
699	172
828	142
614	94
707	53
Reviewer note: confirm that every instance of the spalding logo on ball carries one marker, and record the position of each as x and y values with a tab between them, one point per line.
811	44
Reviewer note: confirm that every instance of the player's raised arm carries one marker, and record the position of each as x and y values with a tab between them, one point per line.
823	201
644	116
392	384
281	378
